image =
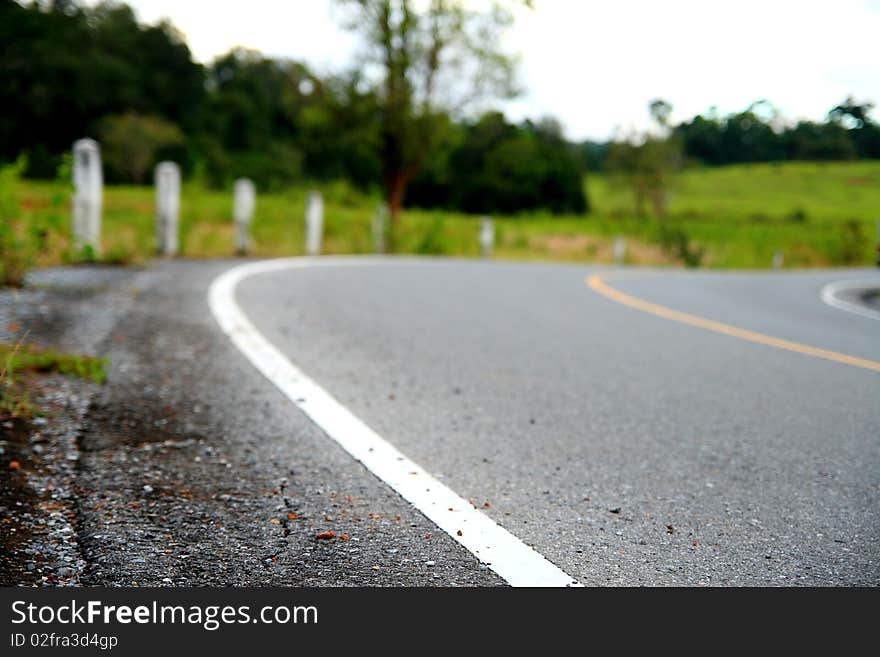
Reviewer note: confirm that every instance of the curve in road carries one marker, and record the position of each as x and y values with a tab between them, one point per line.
831	294
625	448
501	551
598	283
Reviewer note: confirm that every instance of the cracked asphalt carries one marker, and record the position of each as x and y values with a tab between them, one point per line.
192	470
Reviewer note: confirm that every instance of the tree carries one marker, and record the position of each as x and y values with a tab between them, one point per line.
857	113
819	141
130	143
64	66
748	138
274	120
856	117
701	139
441	57
648	162
660	111
492	166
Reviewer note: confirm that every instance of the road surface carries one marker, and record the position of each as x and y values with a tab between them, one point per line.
625	447
641	428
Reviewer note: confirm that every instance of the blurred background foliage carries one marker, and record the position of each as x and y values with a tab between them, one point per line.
69	71
714	190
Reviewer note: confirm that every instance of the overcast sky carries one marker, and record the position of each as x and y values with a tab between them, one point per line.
596	65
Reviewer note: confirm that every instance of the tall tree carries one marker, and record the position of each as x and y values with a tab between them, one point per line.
648	162
864	133
65	65
431	57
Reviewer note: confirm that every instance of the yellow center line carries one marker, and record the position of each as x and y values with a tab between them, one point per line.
597	283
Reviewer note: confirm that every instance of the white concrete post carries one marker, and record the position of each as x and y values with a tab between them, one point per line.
314	223
244	201
487	237
380	222
778	260
167	179
88	182
619	250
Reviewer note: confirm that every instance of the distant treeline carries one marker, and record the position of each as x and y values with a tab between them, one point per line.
847	134
69	71
759	135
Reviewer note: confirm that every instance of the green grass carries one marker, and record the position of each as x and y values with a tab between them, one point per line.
816	214
19	359
28	358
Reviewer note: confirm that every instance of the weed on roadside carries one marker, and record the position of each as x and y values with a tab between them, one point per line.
20	359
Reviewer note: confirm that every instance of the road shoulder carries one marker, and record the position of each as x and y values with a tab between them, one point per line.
192	470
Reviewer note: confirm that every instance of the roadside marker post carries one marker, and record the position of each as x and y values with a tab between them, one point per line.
167	180
88	183
380	221
778	260
243	204
314	223
619	250
487	237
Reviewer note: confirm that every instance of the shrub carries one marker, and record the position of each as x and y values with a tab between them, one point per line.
131	143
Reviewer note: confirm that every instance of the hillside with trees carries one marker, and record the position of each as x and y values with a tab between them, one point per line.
69	71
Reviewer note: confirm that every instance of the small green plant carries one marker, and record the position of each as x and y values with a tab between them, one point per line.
852	243
118	255
14	402
29	358
21	358
676	242
433	242
798	216
85	255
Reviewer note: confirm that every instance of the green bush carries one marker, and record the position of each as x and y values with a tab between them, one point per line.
131	144
851	243
676	242
433	241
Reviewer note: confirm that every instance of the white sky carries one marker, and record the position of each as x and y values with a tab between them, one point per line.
596	65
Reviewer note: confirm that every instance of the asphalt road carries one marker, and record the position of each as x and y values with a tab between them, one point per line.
627	448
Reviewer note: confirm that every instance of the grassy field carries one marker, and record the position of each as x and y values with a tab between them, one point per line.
815	214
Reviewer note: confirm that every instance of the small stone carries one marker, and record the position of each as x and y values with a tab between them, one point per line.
429	564
148	488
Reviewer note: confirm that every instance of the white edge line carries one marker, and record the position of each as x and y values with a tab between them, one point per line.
494	546
829	296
